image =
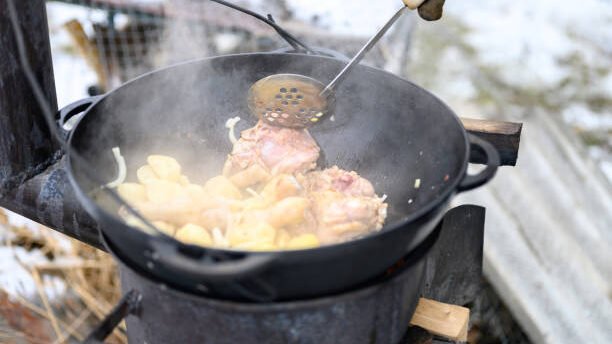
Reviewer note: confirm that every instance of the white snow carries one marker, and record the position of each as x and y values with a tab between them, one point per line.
530	36
583	118
16	280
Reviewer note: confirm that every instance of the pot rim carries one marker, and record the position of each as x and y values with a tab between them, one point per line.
430	206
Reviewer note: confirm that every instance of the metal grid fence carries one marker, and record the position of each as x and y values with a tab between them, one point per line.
126	38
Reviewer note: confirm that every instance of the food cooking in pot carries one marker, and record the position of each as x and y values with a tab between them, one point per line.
269	196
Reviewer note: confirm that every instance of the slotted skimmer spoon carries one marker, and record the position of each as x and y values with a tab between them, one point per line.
299	101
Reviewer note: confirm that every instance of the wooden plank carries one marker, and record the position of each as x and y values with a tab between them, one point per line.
505	136
88	50
448	321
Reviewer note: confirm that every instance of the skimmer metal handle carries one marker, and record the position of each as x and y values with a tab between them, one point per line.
364	50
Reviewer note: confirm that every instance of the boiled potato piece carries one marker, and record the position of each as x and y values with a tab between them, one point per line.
195	191
165	167
220	186
133	193
257	233
254	203
184	180
303	241
133	221
161	191
288	212
281	186
249	177
164	227
282	238
146	175
193	234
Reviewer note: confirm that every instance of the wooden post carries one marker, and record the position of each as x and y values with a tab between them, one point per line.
26	146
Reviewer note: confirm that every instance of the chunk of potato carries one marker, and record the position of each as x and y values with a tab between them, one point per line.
133	221
257	233
282	238
254	203
195	191
162	191
133	193
165	167
146	174
252	175
183	180
303	241
220	186
288	212
281	186
193	234
164	227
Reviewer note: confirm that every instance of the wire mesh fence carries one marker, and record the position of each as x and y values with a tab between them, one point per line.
122	39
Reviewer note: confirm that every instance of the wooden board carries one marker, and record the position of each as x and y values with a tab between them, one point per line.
505	136
442	319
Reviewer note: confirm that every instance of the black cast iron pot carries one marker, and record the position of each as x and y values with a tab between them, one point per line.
387	129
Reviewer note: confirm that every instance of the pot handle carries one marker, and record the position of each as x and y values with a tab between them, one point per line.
208	270
319	51
64	115
470	182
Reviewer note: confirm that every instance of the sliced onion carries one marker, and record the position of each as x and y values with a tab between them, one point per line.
231	124
121	168
218	238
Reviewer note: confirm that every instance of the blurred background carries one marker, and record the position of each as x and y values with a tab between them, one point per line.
548	242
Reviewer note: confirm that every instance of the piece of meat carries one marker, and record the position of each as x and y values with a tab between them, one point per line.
278	150
344	205
341	217
336	179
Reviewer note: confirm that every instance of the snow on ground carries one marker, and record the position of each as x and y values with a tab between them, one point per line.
16	280
528	38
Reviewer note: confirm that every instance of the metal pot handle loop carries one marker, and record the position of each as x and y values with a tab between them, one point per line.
129	304
65	114
470	182
319	51
211	271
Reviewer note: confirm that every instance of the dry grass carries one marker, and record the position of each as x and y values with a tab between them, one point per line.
92	289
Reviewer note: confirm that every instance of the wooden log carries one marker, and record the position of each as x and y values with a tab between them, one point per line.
448	321
505	136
